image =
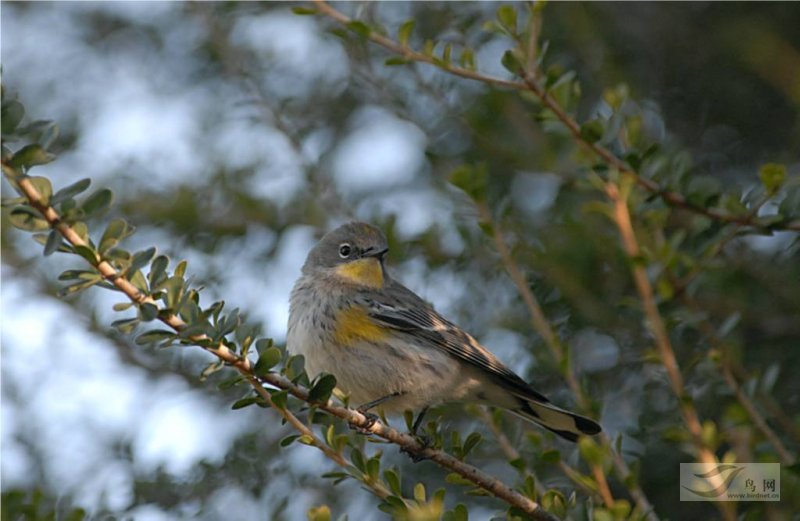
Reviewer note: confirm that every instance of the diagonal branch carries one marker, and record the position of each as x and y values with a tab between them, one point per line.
407	442
622	218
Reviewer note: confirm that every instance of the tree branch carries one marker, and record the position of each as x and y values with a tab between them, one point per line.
245	367
622	219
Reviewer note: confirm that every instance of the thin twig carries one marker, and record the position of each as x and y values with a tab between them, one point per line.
622	219
511	452
725	366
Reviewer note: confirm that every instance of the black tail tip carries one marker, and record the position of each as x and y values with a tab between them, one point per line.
587	426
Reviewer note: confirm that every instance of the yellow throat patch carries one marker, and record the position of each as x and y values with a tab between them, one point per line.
354	325
367	272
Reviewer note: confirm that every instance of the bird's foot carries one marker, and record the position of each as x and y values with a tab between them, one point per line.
425	443
365	427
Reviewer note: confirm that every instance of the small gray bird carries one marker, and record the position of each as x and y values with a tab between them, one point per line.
390	349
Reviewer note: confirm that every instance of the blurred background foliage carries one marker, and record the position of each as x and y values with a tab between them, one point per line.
234	134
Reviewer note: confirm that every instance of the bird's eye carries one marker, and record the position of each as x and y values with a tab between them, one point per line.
345	250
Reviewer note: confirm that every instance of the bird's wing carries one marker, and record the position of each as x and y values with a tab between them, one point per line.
402	309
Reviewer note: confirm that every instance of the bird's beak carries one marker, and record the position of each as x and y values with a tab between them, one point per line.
373	252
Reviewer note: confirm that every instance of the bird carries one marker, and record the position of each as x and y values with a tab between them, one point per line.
389	349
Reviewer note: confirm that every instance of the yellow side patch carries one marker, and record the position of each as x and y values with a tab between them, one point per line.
367	272
354	325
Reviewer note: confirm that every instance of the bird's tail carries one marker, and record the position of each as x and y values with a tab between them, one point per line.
566	424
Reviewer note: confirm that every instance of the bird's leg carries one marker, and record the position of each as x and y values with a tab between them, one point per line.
372	418
418	421
421	438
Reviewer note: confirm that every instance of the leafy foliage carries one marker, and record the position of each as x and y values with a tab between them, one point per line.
635	235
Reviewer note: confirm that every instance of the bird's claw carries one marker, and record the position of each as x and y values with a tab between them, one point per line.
424	441
365	428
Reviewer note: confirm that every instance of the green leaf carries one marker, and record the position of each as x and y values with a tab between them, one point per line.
180	269
507	16
156	335
592	131
141	259
53	242
122	306
590	451
512	63
471	442
12	113
28	219
322	389
210	369
230	322
41	238
267	359
395	61
158	269
517	463
304	11
357	457
393	480
446	54
554	501
174	291
189	311
43	186
98	202
338	477
373	468
148	312
197	329
262	344
396	508
455	478
139	282
231	382
250	400
550	456
359	27
77	274
468	59
81	230
320	513
126	325
280	398
419	493
459	513
772	176
13	201
115	232
404	33
70	191
79	286
30	156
